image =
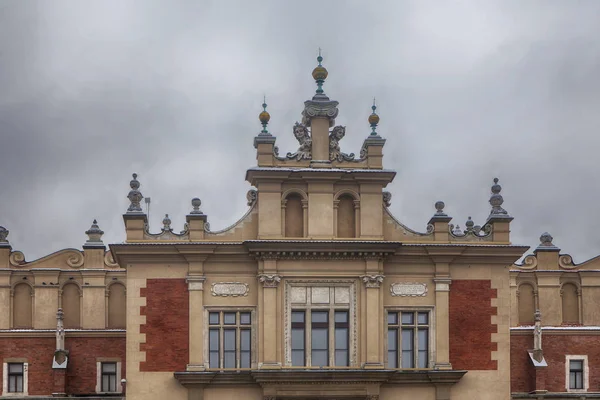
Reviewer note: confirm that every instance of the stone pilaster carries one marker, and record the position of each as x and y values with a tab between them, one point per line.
442	316
373	313
270	327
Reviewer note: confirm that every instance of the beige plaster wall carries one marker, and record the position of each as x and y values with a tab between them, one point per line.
390	392
233	393
153	386
482	385
5	305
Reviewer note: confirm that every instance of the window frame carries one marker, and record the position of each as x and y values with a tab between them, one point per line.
431	335
238	327
586	373
99	375
6	377
332	307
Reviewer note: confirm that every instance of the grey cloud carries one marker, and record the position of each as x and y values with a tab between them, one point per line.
93	91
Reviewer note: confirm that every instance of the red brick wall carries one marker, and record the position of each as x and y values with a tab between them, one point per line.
83	354
555	348
522	371
81	370
471	325
167	325
39	353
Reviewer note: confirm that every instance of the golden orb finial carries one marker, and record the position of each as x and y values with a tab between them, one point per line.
264	117
320	74
373	119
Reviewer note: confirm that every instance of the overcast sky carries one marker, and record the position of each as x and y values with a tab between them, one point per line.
91	91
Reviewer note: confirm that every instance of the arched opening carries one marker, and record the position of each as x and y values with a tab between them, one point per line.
22	306
570	304
526	304
71	305
294	216
346	217
116	306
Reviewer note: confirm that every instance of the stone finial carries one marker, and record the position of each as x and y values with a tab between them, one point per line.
496	200
456	231
166	224
94	234
196	203
320	106
439	209
546	239
264	118
469	225
134	196
3	234
373	120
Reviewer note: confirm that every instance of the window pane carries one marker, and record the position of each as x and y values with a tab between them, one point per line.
245	318
392	318
298	339
392	359
297	316
109	367
298	358
319	316
341	316
213	361
105	383
576	365
423	318
245	348
229	359
214	348
392	339
319	339
341	338
19	383
15	368
341	358
213	318
408	348
319	358
229	339
112	383
423	341
408	318
229	318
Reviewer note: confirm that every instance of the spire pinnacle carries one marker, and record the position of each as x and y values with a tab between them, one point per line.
264	117
374	119
320	74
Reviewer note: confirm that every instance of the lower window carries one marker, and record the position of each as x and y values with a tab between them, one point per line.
14	378
109	377
229	339
576	373
408	339
16	375
320	338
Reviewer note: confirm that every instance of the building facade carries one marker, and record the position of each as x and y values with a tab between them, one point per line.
317	292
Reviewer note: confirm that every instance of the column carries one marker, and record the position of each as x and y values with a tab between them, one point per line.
196	294
442	318
269	281
373	314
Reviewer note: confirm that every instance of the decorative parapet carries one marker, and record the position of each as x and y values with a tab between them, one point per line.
229	289
68	257
166	232
372	281
472	232
269	281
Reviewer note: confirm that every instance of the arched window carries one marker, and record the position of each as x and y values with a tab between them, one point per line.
116	306
526	304
22	306
570	304
294	216
71	305
346	217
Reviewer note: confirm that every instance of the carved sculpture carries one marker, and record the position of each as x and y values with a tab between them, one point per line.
305	150
335	153
134	196
3	234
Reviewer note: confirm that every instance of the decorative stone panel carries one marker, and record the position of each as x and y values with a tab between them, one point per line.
408	289
229	289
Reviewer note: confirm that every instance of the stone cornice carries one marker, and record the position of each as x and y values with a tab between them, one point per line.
383	176
18	333
317	377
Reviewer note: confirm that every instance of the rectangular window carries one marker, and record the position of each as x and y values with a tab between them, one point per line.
408	339
320	338
341	339
230	339
16	372
575	374
109	377
327	341
298	338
